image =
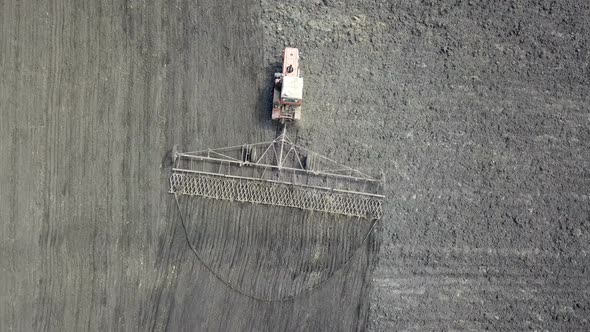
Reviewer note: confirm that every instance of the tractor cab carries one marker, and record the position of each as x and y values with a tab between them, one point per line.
292	90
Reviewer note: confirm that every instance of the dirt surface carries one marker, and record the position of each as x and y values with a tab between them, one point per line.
475	111
93	99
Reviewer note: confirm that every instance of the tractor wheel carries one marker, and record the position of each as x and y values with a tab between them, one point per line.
175	152
253	156
298	124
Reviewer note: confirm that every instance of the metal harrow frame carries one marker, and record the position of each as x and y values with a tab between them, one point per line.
284	174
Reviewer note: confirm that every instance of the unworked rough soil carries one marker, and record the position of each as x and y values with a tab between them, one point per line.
475	111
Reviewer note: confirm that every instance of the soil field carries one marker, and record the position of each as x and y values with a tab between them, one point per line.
94	98
476	113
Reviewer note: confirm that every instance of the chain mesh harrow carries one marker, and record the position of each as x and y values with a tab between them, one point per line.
274	193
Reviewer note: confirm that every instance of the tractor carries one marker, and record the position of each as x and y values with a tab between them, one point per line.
288	89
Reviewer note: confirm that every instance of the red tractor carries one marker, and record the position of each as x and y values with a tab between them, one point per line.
288	89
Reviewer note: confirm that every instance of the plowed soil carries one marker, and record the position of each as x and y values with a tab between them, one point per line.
475	112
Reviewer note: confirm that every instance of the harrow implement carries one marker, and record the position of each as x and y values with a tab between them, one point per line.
278	173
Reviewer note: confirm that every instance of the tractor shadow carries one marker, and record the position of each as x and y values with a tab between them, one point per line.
265	92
